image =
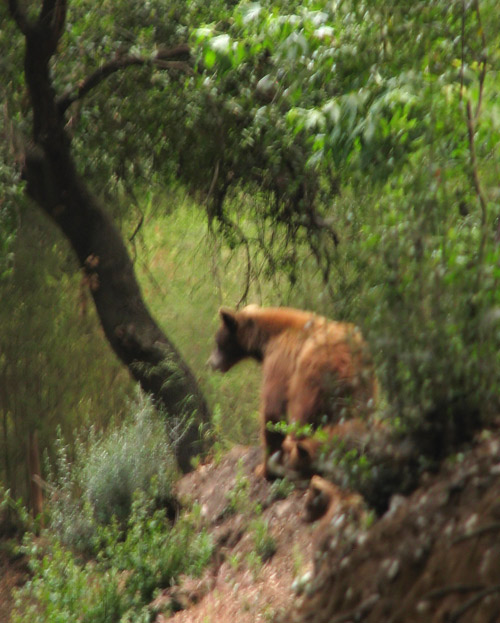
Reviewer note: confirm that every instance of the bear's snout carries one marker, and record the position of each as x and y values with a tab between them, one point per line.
216	361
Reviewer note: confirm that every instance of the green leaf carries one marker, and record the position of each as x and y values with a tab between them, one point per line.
250	12
209	58
221	43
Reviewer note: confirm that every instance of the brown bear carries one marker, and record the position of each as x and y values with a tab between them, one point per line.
315	371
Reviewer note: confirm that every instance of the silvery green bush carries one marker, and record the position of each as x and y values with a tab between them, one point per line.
126	460
108	469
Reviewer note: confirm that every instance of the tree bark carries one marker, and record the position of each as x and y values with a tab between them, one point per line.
53	182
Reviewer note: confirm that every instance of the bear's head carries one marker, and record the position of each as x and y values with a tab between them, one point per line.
232	339
299	454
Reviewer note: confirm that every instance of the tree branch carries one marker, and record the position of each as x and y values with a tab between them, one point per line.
484	60
51	22
452	588
173	58
473	164
181	52
462	52
493	527
472	119
19	16
47	7
53	15
461	610
358	613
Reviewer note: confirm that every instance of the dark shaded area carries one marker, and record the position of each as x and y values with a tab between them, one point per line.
397	460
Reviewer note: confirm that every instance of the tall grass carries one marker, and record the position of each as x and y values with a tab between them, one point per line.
186	275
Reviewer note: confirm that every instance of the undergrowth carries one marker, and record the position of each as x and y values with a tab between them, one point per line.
108	469
132	565
111	542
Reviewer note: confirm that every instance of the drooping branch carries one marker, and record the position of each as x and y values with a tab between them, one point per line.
174	58
472	120
471	130
484	59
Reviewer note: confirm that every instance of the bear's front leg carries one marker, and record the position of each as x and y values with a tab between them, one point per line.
273	409
271	445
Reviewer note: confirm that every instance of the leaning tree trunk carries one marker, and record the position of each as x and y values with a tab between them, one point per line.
53	182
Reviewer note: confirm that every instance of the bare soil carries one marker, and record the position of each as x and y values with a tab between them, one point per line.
13	574
433	557
240	586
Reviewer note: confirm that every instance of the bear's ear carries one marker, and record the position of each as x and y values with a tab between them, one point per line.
228	317
252	307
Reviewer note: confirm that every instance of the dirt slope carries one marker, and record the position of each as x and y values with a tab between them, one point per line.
434	557
240	586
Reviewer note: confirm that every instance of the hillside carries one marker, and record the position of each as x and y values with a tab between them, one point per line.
433	557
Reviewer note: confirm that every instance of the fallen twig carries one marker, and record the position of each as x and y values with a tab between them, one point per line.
470	603
493	527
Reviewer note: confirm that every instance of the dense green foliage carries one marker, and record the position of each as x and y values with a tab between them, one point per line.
392	114
99	485
119	584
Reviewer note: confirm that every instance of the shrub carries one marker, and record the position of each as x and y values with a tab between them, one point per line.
427	290
125	461
110	505
155	553
117	586
265	543
108	470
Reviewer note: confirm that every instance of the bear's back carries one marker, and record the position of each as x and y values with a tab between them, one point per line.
332	374
272	321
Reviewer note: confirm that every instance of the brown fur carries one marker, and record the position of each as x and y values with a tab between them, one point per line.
300	454
314	371
324	500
